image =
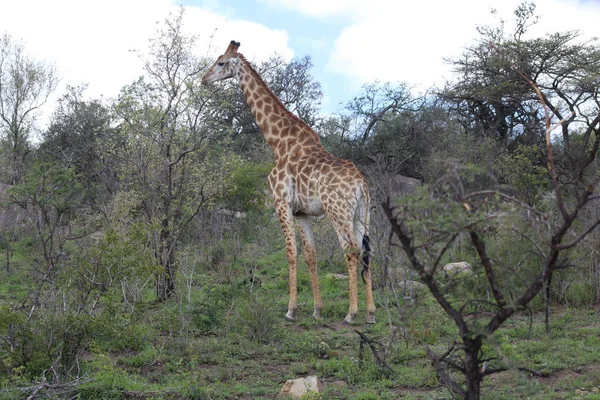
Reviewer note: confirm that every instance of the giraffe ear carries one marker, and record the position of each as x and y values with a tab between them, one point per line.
233	47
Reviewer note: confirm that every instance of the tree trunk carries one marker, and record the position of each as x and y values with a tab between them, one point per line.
547	301
165	285
165	282
472	371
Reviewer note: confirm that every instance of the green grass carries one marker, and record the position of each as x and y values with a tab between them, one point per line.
229	339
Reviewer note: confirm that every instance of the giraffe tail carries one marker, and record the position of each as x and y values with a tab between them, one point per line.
366	252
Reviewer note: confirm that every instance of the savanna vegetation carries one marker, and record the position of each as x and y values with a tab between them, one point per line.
140	258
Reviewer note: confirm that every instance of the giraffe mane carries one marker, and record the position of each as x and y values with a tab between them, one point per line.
288	113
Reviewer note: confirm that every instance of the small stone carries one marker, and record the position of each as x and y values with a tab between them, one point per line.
456	268
337	277
299	387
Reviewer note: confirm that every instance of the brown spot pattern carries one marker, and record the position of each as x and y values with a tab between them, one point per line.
315	178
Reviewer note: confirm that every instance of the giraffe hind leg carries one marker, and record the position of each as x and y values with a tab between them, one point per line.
366	275
345	233
361	231
287	224
310	255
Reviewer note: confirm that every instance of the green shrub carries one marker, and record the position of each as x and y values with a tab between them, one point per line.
206	317
119	333
580	294
256	320
33	345
349	370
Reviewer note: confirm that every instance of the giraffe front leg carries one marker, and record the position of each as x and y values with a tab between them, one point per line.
287	225
290	245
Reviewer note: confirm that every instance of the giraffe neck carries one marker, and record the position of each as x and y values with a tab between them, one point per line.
282	130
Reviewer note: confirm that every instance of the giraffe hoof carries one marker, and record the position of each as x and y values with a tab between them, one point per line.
349	319
317	314
291	315
370	317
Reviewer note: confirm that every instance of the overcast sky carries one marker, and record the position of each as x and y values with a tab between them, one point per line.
351	42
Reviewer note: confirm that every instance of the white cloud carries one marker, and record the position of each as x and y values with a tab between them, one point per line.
258	42
382	40
407	41
90	42
321	8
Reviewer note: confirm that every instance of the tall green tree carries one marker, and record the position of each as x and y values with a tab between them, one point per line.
50	192
516	91
76	137
25	85
165	120
377	104
492	99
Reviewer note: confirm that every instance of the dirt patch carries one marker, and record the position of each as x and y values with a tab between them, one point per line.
554	382
339	326
570	373
156	368
277	370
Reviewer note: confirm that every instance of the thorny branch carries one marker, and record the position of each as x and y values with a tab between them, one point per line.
549	129
504	196
52	388
473	370
426	277
441	370
487	267
375	349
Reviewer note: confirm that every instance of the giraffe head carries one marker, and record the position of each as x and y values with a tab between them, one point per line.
226	65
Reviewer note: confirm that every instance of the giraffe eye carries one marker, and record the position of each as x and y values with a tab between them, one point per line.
221	63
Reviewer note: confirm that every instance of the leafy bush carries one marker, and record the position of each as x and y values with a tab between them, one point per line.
249	184
37	344
524	170
256	320
118	332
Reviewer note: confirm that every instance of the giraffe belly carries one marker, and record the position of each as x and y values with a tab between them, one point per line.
305	198
312	207
315	208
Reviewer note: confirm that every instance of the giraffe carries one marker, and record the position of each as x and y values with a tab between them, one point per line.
306	180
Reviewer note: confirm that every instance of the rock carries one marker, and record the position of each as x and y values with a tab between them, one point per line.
400	185
393	186
299	387
455	268
410	285
12	215
337	277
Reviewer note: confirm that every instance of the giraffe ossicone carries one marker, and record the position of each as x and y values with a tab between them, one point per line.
306	181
